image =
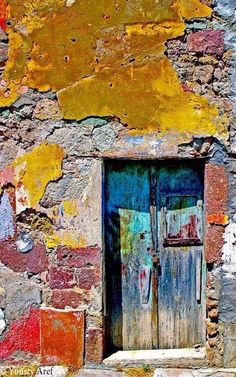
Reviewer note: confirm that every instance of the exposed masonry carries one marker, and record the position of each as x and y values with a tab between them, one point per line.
35	275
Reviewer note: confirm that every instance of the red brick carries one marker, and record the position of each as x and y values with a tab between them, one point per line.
216	189
62	337
3	14
23	335
216	196
206	42
81	257
88	277
61	278
62	298
35	261
94	345
213	243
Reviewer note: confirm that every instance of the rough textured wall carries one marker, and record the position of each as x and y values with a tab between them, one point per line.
137	79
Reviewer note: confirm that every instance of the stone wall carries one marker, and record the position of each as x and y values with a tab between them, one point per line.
51	162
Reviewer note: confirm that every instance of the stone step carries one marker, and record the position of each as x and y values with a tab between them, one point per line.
168	358
160	372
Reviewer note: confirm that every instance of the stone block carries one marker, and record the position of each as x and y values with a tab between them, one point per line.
203	372
47	109
206	42
203	74
62	337
35	261
230	345
227	305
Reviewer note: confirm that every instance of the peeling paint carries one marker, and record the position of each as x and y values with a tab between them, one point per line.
153	86
102	78
33	171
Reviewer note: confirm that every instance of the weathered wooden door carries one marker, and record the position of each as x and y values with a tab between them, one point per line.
153	239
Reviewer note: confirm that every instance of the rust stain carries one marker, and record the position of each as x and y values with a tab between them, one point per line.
219	218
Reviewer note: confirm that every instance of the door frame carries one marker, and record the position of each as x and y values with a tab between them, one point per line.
201	166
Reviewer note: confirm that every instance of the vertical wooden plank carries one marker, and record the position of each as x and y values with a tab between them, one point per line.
154	252
128	254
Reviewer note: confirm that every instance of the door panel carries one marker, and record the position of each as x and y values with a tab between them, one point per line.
128	256
183	220
180	235
153	261
180	312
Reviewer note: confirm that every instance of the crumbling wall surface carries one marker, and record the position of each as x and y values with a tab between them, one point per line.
81	81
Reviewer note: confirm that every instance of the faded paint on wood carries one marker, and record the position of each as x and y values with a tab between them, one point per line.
183	220
180	313
180	281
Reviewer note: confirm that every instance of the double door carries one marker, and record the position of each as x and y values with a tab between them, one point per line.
154	265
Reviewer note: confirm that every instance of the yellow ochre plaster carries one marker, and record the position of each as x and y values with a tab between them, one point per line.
106	58
34	170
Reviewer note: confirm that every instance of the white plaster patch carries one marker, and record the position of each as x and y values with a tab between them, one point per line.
229	250
6	218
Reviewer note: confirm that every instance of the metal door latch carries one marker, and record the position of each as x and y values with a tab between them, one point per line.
155	260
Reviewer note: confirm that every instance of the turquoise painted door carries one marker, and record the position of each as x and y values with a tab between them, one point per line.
153	258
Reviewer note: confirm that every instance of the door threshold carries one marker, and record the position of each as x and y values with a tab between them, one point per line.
167	358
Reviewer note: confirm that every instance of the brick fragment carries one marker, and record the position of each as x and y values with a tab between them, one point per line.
216	189
219	218
88	277
61	278
213	243
216	196
62	298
